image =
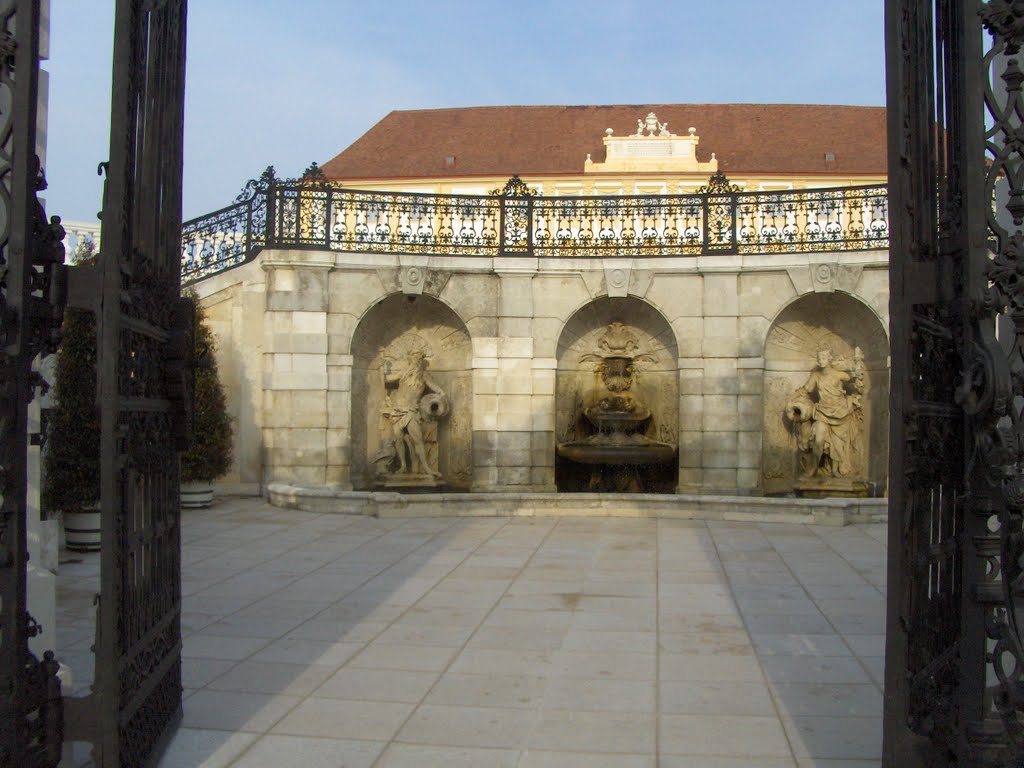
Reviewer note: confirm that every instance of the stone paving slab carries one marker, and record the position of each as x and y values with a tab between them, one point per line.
328	640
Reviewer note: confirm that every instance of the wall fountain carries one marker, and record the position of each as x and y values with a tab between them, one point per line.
617	454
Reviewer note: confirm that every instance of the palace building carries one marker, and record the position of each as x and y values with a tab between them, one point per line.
673	299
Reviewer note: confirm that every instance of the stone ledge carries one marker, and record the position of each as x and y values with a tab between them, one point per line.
830	512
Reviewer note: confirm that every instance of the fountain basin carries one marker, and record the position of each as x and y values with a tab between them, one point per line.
625	452
617	422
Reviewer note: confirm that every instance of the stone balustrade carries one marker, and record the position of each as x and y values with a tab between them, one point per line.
76	232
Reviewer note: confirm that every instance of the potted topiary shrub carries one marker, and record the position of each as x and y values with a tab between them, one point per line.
209	455
71	461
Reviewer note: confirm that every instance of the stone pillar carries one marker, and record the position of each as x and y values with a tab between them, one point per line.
750	375
720	348
247	342
515	400
542	450
514	438
682	299
339	421
753	329
295	374
691	421
485	412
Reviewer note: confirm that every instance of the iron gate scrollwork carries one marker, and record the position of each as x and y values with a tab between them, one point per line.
30	301
144	351
954	666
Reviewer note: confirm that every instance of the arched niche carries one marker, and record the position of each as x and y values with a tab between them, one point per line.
389	330
589	337
839	323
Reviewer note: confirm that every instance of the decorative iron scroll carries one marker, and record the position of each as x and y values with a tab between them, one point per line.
955	667
31	709
719	219
342	219
227	237
999	422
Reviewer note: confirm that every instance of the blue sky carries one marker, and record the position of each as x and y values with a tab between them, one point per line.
286	83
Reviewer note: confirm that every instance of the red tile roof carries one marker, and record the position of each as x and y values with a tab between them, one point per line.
501	141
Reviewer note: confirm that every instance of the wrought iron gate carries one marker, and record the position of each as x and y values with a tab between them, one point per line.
144	351
30	280
956	185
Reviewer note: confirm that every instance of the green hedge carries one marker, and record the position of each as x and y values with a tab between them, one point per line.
209	456
72	456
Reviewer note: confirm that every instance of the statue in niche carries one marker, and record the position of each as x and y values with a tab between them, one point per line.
413	404
829	418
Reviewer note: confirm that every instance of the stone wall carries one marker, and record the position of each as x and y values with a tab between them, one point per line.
303	336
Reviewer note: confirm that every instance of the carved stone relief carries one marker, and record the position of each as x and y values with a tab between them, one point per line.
412	279
460	433
617	281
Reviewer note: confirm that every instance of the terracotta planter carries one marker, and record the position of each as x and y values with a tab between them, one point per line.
196	495
82	530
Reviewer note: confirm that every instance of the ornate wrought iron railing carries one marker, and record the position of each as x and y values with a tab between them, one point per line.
718	219
350	220
227	237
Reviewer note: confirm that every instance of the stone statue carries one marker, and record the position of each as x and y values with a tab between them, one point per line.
412	401
829	419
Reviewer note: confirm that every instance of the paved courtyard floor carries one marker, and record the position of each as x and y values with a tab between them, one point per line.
326	640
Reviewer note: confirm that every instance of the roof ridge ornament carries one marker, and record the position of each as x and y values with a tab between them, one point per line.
718	184
653	126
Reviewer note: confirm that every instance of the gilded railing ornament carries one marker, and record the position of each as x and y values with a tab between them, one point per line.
718	184
515	187
259	185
